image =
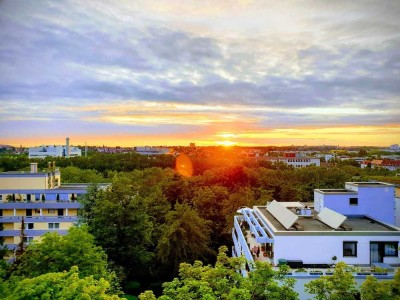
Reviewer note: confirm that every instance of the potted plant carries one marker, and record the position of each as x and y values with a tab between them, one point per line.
334	258
301	271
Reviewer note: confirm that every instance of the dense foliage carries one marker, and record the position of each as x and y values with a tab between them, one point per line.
49	270
63	286
224	281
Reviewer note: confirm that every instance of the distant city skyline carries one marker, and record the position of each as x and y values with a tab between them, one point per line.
247	73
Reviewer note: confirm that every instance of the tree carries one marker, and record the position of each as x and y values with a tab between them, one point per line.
72	174
57	253
120	223
362	152
21	245
339	286
62	285
185	237
372	289
224	281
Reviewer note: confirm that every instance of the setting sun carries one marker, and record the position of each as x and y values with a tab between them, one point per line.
226	143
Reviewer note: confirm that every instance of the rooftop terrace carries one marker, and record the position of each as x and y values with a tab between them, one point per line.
308	223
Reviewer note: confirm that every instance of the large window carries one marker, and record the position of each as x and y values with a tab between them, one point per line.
353	201
29	225
350	249
54	225
390	249
28	239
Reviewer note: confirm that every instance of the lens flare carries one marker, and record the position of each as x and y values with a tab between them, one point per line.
183	165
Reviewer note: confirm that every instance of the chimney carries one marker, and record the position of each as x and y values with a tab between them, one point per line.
34	168
67	148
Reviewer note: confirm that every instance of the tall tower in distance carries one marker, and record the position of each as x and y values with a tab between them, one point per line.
67	148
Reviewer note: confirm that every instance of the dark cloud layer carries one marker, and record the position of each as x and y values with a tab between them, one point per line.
43	58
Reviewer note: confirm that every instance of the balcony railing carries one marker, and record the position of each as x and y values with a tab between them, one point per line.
34	205
33	219
31	232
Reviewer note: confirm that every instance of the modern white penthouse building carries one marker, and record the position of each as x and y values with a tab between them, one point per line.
354	225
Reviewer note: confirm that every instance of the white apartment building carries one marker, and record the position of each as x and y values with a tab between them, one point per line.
296	160
53	151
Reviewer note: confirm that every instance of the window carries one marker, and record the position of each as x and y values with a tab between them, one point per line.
29	225
51	211
350	249
353	201
390	249
54	225
28	239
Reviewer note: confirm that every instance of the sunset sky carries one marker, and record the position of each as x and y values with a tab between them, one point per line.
135	73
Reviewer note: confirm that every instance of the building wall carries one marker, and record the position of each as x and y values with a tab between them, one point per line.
296	162
320	249
377	202
19	182
397	212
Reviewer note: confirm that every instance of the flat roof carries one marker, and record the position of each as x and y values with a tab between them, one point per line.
336	191
22	174
382	184
355	223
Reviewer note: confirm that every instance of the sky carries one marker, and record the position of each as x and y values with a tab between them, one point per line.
136	73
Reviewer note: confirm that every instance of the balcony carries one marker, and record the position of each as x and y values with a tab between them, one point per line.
32	232
29	219
35	205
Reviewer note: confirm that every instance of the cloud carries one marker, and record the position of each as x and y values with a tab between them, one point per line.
272	65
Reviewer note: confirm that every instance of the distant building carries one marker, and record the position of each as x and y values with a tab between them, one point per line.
148	150
54	151
391	165
296	160
39	197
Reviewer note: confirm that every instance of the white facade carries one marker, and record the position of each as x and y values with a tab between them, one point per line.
53	151
148	150
320	250
296	162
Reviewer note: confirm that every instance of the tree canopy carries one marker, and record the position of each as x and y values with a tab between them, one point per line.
71	285
224	281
